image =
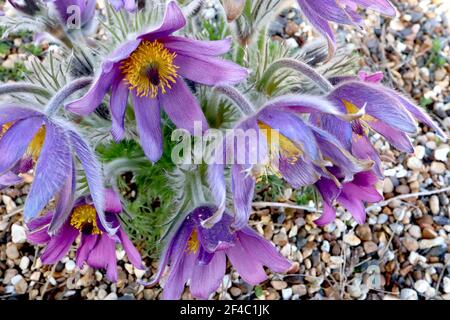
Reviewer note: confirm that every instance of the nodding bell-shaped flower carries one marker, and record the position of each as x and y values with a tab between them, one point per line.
96	247
75	13
198	255
31	139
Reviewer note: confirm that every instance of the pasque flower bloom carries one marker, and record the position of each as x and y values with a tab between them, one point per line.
287	147
31	139
352	195
97	248
387	112
151	68
321	12
198	255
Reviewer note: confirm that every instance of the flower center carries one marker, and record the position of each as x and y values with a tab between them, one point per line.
84	218
279	146
193	244
150	68
35	146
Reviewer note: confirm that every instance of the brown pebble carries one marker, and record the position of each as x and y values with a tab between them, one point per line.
364	232
370	247
429	233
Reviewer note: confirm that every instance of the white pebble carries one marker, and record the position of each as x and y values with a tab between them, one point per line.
15	280
70	266
24	263
446	284
421	286
286	293
18	234
408	294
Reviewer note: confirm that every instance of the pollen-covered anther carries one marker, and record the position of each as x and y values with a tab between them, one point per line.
84	218
150	69
35	146
193	244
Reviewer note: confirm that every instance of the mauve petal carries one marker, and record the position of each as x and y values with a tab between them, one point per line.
382	6
148	121
118	105
110	64
94	177
52	169
64	201
117	4
207	278
180	272
217	183
174	248
87	243
103	255
59	244
189	46
12	113
301	104
331	148
41	221
250	269
379	104
320	24
133	254
340	129
209	70
9	179
94	97
420	114
173	21
397	138
130	5
112	201
293	128
298	174
354	206
243	188
362	148
376	77
39	237
264	251
182	107
328	215
15	141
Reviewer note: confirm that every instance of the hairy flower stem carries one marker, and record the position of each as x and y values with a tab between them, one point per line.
302	68
19	87
238	98
66	92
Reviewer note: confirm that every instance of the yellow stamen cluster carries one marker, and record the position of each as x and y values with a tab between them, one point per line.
193	244
150	68
35	146
84	218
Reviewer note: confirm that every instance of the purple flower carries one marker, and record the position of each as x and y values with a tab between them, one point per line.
287	147
352	195
386	112
129	5
321	12
97	248
68	9
31	139
152	68
198	255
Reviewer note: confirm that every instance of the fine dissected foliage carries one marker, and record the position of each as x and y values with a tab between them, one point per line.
126	87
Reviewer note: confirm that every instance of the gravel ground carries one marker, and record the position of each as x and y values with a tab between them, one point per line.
402	252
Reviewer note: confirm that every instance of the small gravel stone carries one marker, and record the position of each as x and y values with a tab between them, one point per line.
12	252
415	231
388	186
21	286
364	232
24	263
427	244
70	266
278	284
382	218
421	286
370	247
299	289
408	294
446	284
286	293
410	244
352	239
434	204
415	164
437	167
18	234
